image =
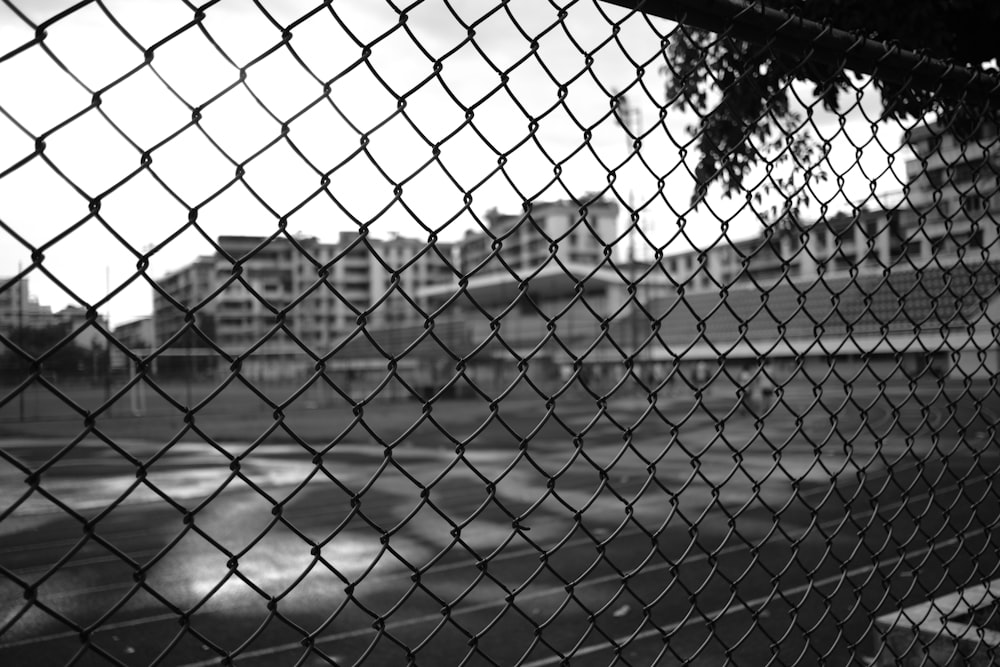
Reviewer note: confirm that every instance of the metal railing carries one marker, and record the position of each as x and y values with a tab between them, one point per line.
526	334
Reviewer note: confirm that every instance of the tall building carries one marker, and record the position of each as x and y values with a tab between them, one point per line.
906	287
539	286
276	296
863	241
903	284
953	180
547	287
574	233
944	216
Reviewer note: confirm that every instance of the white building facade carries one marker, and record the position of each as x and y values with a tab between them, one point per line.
278	297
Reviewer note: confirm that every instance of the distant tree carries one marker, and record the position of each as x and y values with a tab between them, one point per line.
36	342
743	97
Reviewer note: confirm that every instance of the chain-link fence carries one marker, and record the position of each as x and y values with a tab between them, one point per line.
516	334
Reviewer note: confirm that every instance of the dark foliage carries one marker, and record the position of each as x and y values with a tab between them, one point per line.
746	105
44	346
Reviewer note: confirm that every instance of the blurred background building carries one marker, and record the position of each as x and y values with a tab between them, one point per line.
560	282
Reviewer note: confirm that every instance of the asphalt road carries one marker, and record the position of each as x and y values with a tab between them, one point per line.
616	535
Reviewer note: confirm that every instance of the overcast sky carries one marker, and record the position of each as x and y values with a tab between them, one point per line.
37	95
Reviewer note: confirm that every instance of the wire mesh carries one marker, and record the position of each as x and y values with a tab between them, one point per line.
512	334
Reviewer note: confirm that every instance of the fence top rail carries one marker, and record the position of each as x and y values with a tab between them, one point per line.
818	42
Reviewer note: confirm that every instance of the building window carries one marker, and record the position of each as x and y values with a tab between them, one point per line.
973	204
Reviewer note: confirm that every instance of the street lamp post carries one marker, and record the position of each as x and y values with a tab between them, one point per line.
20	334
629	118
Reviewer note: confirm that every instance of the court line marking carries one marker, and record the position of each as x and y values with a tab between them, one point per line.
312	512
446	567
750	605
435	618
937	491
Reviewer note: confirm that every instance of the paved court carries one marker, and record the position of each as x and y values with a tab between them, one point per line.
680	536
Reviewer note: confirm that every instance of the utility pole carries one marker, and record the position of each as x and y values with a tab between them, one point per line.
20	332
630	119
107	343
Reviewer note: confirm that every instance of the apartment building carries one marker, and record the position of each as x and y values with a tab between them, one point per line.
538	256
904	283
537	285
548	284
953	180
906	287
864	240
278	296
572	232
943	216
